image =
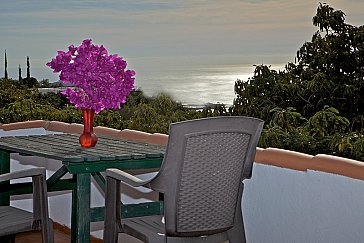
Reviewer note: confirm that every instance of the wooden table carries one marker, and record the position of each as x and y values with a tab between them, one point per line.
82	163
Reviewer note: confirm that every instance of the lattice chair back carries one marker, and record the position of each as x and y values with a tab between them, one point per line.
202	173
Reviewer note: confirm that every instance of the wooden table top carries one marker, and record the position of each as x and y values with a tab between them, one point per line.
66	147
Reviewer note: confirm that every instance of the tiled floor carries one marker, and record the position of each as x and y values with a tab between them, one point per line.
61	235
35	237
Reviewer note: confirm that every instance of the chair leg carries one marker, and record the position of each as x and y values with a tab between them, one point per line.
50	234
112	211
40	208
237	233
7	238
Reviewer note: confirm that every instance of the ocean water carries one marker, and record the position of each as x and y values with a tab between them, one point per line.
194	86
190	85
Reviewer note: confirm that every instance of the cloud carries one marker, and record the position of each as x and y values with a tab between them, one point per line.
169	28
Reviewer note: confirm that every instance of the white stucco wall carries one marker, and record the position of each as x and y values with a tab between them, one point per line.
279	205
282	205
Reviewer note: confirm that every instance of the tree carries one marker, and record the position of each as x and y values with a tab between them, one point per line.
329	72
331	65
28	68
6	67
20	78
44	83
257	96
329	19
315	105
29	82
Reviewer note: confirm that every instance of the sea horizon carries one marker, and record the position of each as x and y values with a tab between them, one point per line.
191	86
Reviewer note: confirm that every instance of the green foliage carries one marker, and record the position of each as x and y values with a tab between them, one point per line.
327	122
296	140
150	114
109	118
329	19
329	72
44	83
10	91
158	114
287	119
215	110
349	145
317	104
257	96
28	109
29	82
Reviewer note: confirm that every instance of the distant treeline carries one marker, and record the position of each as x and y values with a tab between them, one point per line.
28	81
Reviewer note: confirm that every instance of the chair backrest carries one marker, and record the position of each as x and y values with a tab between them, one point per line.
16	220
201	175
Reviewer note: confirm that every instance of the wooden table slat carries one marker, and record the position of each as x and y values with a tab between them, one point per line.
65	147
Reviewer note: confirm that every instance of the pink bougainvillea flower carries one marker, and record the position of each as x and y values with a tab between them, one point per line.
100	81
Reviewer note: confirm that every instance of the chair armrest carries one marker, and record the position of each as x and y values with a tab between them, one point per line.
126	177
22	174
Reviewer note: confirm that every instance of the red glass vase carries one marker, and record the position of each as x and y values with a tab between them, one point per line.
88	138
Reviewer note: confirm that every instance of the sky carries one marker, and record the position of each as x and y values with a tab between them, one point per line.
157	35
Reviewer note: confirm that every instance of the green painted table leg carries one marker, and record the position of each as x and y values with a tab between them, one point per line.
80	225
4	168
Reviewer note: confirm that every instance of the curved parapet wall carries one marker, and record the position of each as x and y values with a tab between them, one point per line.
269	156
303	162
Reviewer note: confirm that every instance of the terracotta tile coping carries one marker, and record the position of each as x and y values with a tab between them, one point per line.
24	125
134	135
283	158
57	126
337	165
303	162
269	156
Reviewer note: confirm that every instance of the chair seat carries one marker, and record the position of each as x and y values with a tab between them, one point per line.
150	226
152	229
14	220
